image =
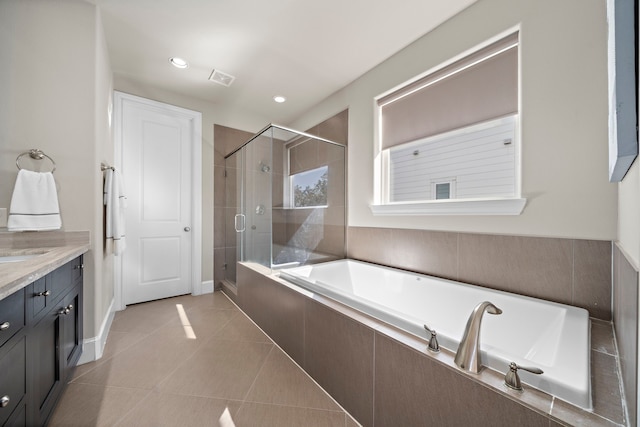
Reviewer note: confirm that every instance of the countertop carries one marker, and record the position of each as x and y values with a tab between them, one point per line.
52	254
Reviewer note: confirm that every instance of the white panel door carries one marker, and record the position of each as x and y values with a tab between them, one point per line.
156	161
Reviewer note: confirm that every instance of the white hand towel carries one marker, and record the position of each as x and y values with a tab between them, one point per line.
34	204
116	202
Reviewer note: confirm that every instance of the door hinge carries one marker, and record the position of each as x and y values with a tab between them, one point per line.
225	173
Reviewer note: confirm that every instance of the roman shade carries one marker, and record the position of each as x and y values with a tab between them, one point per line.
479	87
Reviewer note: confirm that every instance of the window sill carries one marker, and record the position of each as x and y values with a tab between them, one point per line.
453	207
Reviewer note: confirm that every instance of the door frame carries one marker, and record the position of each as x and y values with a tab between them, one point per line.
195	117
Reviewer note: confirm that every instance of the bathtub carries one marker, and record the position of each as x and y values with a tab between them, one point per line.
530	331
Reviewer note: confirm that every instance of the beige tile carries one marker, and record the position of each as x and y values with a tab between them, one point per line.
227	139
339	356
607	401
430	252
592	277
568	415
202	322
219	227
281	382
625	311
533	266
166	409
602	337
80	370
147	363
447	397
282	319
219	259
216	300
242	329
369	244
352	423
335	128
141	318
116	342
222	368
261	415
90	405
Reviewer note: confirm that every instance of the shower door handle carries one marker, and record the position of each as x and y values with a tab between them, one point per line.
240	219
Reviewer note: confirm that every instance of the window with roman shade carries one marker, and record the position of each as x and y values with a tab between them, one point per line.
457	125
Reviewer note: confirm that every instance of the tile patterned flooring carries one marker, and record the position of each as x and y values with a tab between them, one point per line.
185	361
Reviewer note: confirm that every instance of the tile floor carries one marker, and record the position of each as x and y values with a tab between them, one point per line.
193	361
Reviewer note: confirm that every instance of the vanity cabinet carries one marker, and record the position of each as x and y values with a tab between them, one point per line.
37	360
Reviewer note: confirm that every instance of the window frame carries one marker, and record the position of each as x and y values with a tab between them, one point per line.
484	206
292	195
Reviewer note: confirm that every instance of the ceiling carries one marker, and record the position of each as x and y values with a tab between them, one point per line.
301	49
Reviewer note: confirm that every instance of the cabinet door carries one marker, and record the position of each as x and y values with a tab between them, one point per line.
59	280
71	330
13	385
45	362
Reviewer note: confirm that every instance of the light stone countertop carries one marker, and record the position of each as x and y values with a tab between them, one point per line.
52	254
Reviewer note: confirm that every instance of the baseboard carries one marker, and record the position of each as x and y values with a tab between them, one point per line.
207	287
92	348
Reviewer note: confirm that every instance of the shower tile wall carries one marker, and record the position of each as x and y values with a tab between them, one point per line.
570	271
326	222
225	141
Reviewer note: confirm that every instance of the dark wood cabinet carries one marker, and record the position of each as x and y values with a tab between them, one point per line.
37	360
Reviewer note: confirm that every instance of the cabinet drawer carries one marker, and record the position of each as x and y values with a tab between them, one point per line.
12	378
11	315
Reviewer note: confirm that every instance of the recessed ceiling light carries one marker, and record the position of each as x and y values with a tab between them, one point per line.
279	99
178	62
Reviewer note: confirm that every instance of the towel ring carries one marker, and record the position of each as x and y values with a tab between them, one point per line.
35	154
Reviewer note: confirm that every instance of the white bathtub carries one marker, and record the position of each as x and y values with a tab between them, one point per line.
530	331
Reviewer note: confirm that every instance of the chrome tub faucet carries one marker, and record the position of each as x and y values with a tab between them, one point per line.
468	354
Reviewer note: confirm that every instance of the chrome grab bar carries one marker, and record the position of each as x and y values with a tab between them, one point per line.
244	223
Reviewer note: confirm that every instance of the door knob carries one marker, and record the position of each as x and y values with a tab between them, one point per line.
187	229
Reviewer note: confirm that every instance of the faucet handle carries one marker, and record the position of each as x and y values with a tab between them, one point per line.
512	379
433	341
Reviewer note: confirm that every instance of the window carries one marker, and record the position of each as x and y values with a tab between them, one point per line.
443	190
451	137
310	188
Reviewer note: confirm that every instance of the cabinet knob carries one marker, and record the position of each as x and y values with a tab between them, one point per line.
78	267
46	293
66	310
4	401
4	326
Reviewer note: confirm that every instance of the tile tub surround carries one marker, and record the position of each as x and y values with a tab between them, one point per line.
386	377
56	248
625	313
569	271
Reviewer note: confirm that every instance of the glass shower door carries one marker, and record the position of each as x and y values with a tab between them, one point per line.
257	200
234	217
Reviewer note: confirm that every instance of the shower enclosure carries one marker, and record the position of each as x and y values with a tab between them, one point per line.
285	201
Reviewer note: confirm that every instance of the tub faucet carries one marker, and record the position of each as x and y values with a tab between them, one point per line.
468	354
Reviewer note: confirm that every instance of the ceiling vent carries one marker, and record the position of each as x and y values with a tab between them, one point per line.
221	78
